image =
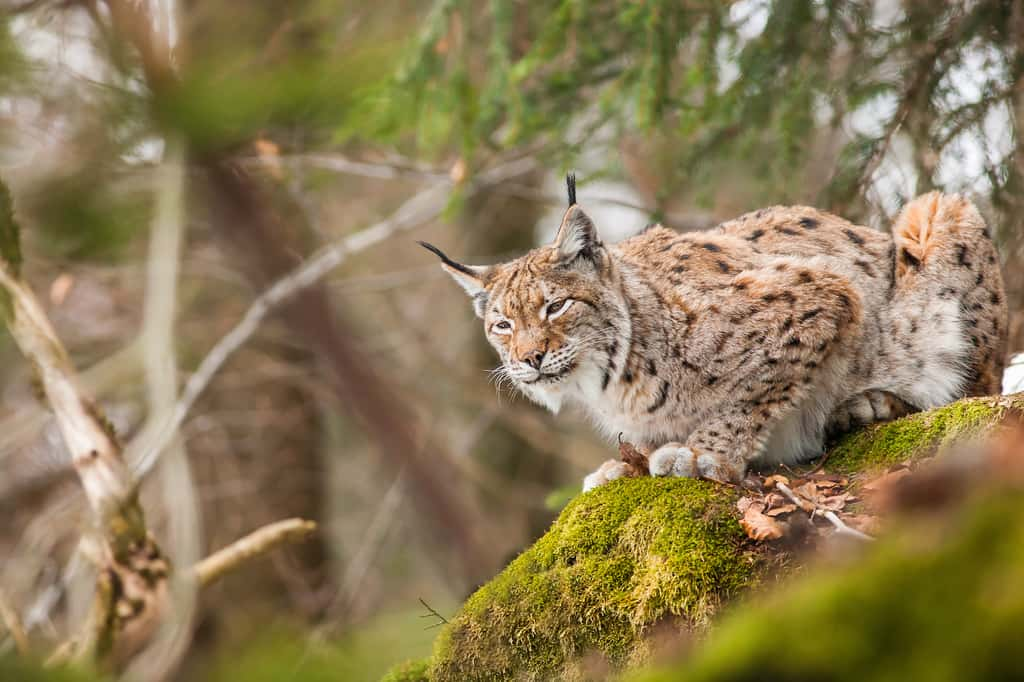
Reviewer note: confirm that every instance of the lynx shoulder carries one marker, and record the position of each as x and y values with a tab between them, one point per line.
751	341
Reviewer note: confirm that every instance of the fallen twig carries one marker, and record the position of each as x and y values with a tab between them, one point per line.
441	620
831	516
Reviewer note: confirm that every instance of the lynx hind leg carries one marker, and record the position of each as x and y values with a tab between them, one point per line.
866	408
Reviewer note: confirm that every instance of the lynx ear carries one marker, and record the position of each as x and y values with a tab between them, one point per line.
577	236
472	278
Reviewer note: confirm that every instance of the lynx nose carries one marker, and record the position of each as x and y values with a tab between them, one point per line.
534	358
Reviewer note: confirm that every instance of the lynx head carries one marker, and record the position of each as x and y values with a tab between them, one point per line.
551	312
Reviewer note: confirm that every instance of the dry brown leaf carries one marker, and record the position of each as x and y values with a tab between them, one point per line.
823	478
744	503
770	481
757	525
808	490
834	502
808	496
827	485
781	509
636	461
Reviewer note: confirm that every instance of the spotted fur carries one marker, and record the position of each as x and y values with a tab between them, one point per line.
749	342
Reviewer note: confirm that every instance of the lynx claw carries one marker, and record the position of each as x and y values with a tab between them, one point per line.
608	471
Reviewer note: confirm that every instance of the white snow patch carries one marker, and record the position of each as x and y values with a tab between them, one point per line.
1013	378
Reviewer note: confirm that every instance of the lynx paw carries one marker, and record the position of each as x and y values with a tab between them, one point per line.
674	459
608	471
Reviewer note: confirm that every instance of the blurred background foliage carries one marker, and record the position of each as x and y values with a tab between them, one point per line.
333	114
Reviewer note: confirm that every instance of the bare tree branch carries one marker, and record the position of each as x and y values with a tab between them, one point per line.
128	555
95	453
158	350
919	82
432	613
255	544
12	622
421	208
367	169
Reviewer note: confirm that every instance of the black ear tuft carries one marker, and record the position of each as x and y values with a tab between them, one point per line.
570	184
445	259
472	278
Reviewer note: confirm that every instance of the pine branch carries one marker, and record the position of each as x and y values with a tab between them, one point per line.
920	83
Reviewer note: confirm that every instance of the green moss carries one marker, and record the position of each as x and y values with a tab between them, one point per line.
410	671
937	601
918	435
617	560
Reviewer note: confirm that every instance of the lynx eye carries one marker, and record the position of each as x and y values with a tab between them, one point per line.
558	307
502	327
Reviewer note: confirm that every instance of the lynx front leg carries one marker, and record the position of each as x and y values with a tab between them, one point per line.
722	447
676	459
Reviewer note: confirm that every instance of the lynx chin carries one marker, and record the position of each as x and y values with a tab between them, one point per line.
752	341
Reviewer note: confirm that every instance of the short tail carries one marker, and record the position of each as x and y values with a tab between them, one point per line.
938	229
947	265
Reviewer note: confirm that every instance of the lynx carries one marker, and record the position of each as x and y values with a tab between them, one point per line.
751	342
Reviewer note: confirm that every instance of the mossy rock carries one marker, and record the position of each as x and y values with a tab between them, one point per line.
939	599
638	552
920	434
618	559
